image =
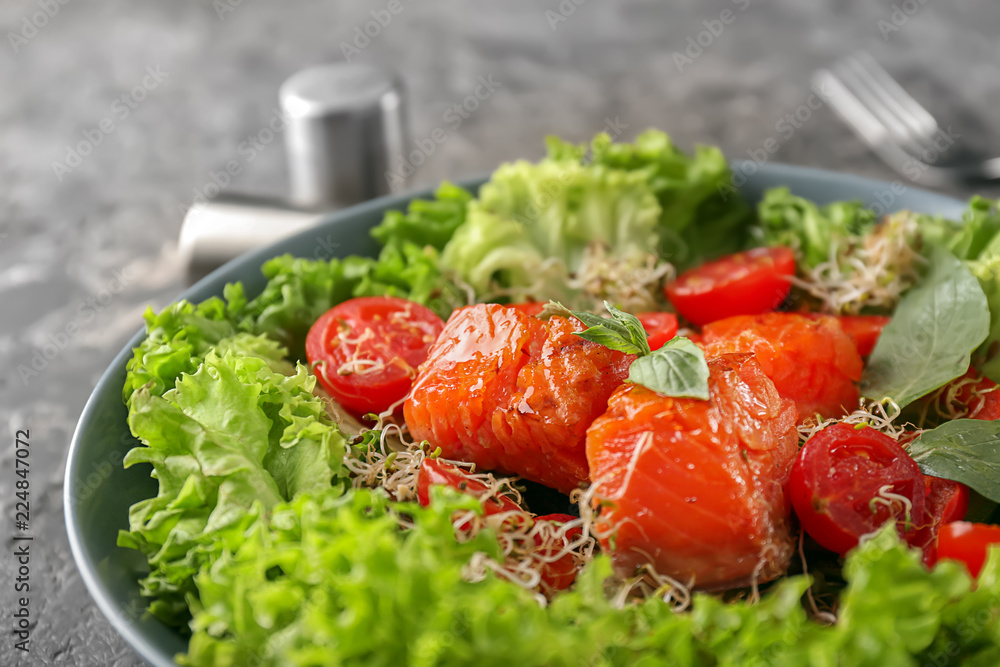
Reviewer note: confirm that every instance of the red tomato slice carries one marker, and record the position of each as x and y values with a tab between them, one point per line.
660	327
944	501
366	351
837	481
559	574
529	308
968	543
747	283
971	395
437	473
864	329
982	398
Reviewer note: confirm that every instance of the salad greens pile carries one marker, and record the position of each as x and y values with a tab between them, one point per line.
589	223
261	550
331	579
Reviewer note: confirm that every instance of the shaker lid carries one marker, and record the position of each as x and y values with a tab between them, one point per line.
336	88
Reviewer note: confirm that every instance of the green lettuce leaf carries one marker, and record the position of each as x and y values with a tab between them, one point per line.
601	224
696	221
969	632
179	337
228	442
300	290
987	272
426	222
977	240
330	579
884	574
529	230
812	229
976	235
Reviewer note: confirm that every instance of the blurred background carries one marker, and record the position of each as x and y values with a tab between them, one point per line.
167	93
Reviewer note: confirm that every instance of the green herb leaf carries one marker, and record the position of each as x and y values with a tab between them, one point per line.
677	369
964	450
932	334
622	331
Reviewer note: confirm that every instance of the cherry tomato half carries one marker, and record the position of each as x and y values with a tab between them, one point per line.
558	574
437	473
981	399
967	542
846	482
660	327
366	351
529	307
747	283
944	501
864	329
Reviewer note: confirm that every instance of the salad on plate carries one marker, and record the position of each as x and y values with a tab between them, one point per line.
603	411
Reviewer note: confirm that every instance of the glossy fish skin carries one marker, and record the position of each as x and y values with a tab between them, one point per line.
513	393
809	358
704	499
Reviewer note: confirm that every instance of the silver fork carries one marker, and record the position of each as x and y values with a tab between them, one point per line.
894	125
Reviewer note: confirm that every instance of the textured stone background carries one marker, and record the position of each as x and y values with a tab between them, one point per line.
63	242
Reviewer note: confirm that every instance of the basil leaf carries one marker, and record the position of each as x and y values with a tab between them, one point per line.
963	450
677	369
622	331
932	334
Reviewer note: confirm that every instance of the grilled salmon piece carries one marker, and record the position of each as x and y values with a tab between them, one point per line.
696	487
809	358
514	393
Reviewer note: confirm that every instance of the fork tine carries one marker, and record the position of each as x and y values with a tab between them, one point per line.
857	115
859	86
918	117
893	124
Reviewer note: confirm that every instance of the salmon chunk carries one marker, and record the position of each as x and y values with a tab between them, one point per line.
513	393
696	487
809	358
